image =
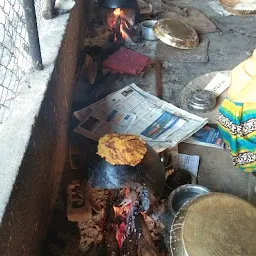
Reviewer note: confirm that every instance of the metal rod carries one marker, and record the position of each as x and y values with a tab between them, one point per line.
159	85
33	39
48	11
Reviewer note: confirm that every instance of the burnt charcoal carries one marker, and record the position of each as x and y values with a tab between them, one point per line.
146	245
178	178
110	244
96	251
130	246
144	199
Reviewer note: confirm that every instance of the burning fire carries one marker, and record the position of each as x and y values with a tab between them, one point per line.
122	214
119	14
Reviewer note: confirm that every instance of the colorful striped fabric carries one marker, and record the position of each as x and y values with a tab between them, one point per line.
237	124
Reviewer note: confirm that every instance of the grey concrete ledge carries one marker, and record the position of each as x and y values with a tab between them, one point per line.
16	131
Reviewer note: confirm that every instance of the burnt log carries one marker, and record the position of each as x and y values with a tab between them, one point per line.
110	242
139	242
130	31
146	245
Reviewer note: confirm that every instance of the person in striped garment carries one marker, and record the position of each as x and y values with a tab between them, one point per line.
237	115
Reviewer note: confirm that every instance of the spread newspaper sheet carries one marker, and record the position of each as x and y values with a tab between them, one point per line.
134	111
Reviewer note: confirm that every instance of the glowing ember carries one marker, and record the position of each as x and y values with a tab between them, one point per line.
122	214
121	229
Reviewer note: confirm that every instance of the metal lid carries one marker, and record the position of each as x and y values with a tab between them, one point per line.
240	7
176	34
214	224
201	101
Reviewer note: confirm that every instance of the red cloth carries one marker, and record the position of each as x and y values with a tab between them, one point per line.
126	61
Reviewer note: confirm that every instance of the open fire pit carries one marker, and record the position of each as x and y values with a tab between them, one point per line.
122	195
121	226
122	22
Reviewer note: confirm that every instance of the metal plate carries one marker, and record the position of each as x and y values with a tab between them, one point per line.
176	34
214	224
200	83
240	7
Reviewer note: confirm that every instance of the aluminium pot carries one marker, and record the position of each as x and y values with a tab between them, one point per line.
147	30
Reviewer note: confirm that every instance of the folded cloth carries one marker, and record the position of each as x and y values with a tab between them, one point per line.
126	61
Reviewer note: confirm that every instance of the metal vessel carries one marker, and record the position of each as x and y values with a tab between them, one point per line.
201	101
184	194
214	224
147	30
176	34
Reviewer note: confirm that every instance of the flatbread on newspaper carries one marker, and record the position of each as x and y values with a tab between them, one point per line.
122	149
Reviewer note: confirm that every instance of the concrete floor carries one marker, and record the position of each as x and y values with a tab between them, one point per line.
233	43
216	170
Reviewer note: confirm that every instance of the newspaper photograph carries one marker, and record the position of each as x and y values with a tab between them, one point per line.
134	111
207	136
99	122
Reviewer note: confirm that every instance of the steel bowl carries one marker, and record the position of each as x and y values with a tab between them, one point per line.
201	101
147	30
183	195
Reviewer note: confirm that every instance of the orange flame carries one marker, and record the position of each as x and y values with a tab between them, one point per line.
124	35
122	212
117	11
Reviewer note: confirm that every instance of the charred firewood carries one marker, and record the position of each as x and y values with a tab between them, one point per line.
130	246
130	31
110	242
146	246
117	30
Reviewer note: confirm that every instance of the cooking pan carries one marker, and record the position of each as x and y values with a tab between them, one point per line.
149	173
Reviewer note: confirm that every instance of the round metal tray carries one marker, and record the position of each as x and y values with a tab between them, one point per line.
233	7
176	34
214	224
